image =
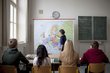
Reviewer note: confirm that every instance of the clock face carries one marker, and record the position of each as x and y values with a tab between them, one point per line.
56	14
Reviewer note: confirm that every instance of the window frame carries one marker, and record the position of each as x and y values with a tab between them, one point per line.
14	23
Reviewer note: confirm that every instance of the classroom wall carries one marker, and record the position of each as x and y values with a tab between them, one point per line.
4	17
4	27
0	22
0	28
67	9
71	9
22	21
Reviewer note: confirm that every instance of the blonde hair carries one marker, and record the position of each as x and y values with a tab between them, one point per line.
67	55
12	43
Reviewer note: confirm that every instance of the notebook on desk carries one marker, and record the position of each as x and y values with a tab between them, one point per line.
55	60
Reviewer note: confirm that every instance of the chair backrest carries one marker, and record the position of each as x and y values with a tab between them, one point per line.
41	69
68	69
96	67
7	69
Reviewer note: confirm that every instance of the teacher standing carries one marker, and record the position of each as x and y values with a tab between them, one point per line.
62	38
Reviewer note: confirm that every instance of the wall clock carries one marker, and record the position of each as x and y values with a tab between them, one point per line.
56	14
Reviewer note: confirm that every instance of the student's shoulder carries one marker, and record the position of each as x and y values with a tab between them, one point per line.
76	54
101	51
35	59
47	58
89	50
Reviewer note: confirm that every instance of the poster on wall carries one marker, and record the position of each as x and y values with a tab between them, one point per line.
46	32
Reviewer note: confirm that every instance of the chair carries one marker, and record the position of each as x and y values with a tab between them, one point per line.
7	69
96	68
41	69
68	69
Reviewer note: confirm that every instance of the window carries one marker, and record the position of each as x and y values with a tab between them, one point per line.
22	20
14	1
18	20
13	18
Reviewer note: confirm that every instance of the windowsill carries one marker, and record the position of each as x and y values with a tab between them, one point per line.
21	42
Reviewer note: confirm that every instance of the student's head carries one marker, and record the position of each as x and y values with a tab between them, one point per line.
41	54
12	43
95	44
62	32
68	52
68	45
41	51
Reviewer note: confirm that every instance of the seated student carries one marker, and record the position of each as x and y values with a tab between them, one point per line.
68	56
12	56
41	58
94	55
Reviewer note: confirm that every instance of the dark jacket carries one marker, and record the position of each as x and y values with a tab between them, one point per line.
13	57
62	41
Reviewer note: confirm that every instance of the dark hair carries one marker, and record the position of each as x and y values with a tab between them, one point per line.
42	54
95	44
12	43
62	31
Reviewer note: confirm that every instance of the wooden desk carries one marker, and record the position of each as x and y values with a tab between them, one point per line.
32	56
54	65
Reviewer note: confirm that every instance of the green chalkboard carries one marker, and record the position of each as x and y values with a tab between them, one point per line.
85	27
100	24
92	27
